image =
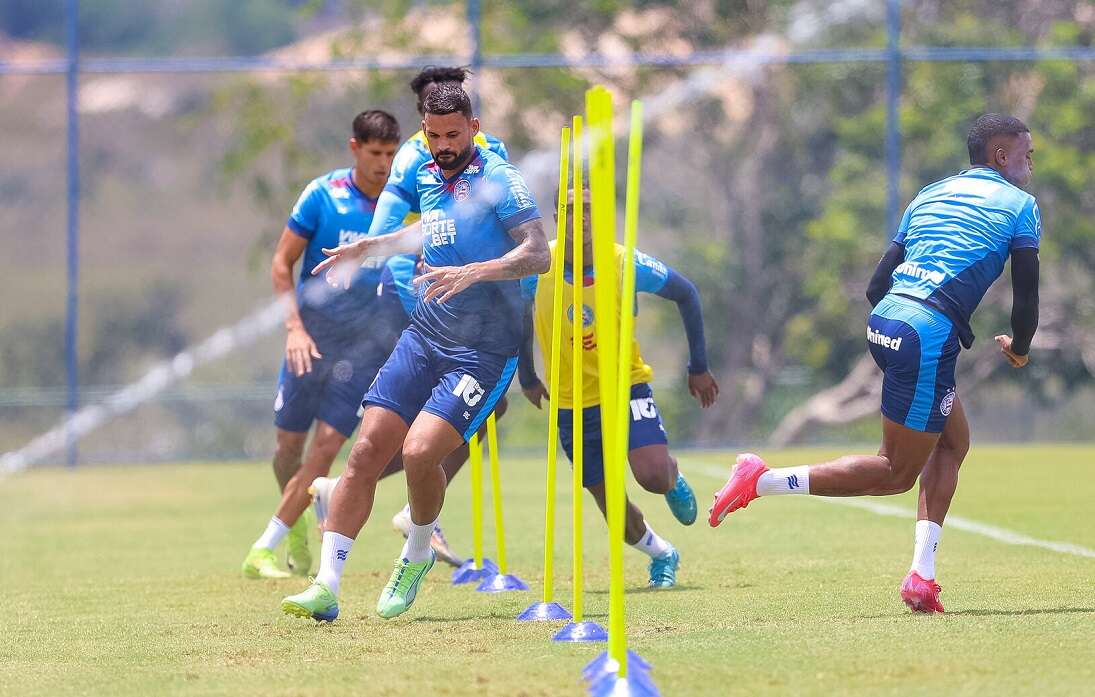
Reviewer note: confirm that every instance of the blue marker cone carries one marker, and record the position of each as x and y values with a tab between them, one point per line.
581	631
602	674
470	573
500	583
544	612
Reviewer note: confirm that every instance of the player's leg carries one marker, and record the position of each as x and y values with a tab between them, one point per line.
664	559
654	468
295	409
396	395
938	482
469	387
914	346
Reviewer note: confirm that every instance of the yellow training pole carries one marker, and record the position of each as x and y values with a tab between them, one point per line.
496	493
576	361
603	190
475	460
617	633
553	369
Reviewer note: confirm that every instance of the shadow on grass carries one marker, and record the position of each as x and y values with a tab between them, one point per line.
473	617
679	588
1040	611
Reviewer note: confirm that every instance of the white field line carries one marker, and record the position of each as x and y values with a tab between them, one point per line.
1009	537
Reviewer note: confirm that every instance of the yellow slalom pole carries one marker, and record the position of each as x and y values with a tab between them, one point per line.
553	370
475	460
496	493
603	190
576	362
617	633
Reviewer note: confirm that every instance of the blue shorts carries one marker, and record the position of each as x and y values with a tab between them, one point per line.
646	429
461	386
916	347
332	392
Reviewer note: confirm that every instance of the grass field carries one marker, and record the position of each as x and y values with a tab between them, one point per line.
124	581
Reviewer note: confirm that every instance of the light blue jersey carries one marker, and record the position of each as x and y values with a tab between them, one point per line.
958	233
414	153
332	211
467	219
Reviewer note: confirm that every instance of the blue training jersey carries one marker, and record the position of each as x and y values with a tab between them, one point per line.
958	233
467	219
332	211
396	282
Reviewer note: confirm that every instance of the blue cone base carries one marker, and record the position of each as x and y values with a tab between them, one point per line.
604	680
603	664
544	612
581	631
636	684
500	583
469	573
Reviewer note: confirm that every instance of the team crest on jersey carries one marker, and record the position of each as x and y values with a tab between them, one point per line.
587	315
947	404
461	190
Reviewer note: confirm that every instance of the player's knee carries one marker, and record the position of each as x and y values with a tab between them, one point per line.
417	454
657	480
364	456
901	481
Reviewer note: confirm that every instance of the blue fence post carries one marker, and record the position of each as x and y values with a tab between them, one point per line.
893	116
72	305
475	21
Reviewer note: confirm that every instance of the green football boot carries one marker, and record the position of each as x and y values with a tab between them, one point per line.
317	601
298	557
262	563
398	596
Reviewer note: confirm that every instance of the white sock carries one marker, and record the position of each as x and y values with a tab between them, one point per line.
651	544
927	541
785	480
332	558
275	532
417	546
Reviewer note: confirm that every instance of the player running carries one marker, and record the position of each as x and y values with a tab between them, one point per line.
654	468
953	242
333	349
397	206
480	233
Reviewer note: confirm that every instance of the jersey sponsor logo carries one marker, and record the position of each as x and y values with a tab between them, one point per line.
914	270
877	337
947	404
651	263
461	190
469	388
438	229
473	169
643	408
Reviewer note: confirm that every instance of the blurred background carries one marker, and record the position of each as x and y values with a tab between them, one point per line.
151	152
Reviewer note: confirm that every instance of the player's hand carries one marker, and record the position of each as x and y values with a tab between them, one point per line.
1016	360
535	394
343	261
300	350
703	387
446	281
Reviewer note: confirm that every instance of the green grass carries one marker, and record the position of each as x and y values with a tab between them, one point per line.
124	581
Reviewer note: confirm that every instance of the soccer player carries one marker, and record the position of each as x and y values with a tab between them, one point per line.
397	206
648	452
480	233
951	246
332	350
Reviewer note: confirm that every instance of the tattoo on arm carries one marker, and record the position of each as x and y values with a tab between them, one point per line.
530	256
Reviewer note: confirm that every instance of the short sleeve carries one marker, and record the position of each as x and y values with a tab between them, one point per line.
403	181
529	285
1028	228
514	204
903	228
304	220
497	147
650	273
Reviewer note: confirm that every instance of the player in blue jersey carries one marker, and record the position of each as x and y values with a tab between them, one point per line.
479	234
333	349
953	243
397	206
